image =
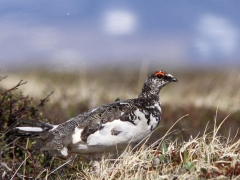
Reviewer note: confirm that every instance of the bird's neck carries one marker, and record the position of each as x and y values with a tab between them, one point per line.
150	92
151	98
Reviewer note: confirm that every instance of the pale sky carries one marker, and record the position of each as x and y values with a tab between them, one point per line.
70	33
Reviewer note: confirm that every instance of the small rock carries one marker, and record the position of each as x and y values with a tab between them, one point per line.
156	161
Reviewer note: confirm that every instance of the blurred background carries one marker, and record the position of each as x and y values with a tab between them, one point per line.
91	52
88	34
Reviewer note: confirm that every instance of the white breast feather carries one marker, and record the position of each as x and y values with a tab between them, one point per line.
64	151
103	139
76	137
153	121
158	107
128	132
54	127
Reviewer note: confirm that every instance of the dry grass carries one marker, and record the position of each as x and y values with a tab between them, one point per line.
205	157
209	156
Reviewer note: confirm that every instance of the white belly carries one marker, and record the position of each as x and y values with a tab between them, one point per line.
105	140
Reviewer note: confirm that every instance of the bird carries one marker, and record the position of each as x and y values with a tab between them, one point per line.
107	128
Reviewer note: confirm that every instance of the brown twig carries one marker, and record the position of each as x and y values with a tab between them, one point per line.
15	87
1	78
42	101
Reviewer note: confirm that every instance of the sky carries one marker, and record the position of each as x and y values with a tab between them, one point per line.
88	33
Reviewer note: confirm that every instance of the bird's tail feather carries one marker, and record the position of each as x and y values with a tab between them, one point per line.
29	128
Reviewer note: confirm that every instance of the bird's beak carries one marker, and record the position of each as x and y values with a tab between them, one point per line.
174	79
170	78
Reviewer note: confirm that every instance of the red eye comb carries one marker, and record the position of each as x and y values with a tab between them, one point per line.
159	73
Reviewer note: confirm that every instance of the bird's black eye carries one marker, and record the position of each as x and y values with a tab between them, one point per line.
159	76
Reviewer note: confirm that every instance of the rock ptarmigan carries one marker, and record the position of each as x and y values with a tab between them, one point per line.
106	128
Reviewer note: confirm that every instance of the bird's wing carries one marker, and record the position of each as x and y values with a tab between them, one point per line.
58	138
95	120
82	126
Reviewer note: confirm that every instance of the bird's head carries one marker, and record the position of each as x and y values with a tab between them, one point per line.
161	78
155	81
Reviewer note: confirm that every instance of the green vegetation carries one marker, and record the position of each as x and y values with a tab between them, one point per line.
198	133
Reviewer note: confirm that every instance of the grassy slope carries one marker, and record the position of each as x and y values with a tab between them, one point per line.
197	94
